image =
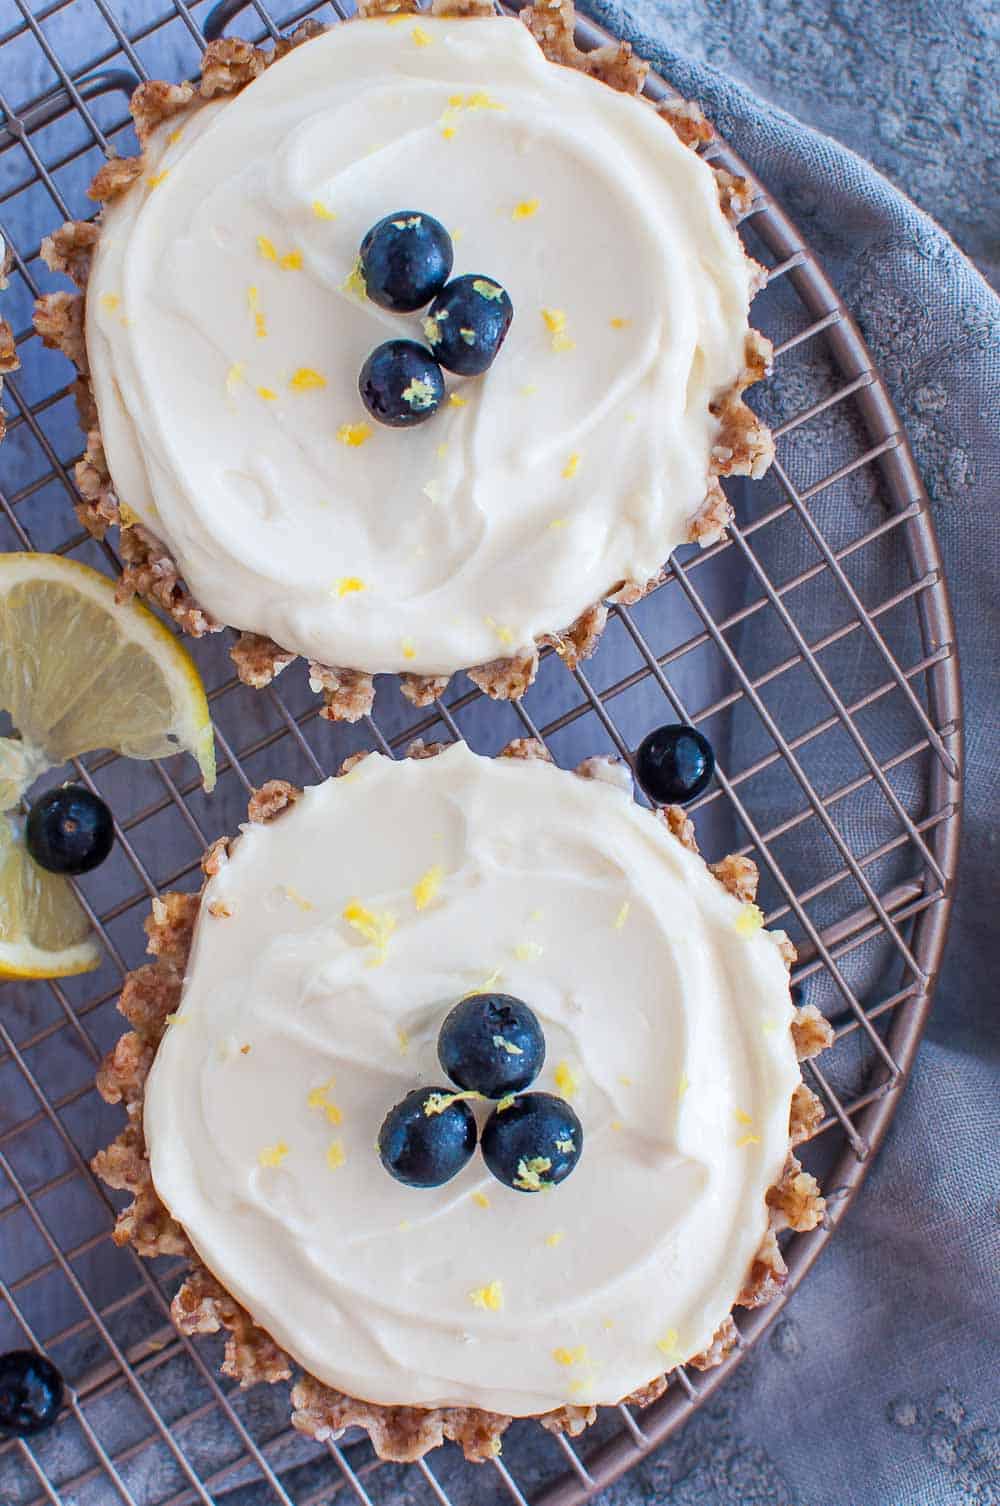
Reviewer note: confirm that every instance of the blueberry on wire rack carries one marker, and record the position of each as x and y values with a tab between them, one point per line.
674	764
31	1391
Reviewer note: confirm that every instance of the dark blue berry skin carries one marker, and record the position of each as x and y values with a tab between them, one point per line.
468	322
405	259
425	1149
520	1138
674	764
31	1391
401	384
493	1044
69	830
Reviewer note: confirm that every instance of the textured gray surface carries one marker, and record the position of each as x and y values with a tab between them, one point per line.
875	1388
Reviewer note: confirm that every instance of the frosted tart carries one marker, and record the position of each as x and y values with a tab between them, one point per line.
301	994
220	335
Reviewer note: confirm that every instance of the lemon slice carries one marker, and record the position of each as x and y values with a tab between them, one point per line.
80	671
44	930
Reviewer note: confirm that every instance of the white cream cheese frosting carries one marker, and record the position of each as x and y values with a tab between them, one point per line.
667	1018
225	341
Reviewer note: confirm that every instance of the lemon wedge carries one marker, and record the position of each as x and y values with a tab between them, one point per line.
81	671
44	930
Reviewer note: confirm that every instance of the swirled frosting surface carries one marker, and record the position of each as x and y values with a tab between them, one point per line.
667	1023
225	340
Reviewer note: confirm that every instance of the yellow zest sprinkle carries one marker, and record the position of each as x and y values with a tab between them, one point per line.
620	323
607	1323
347	585
742	1117
404	1226
436	1103
749	920
427	886
447	131
577	1356
291	261
307	380
622	916
418	395
335	1155
421	37
566	1080
354	435
266	248
480	100
431	328
566	1145
354	282
626	1082
259	321
488	1298
267	393
441	450
320	1098
407	648
487	985
555	323
128	519
572	465
397	20
456	401
175	136
558	523
321	212
375	928
525	209
529	389
502	1044
503	633
403	1041
617	1126
491	291
555	1238
234	376
747	1140
529	1173
158	178
668	1347
297	899
480	1199
529	951
769	1026
682	1086
110	301
273	1155
506	1102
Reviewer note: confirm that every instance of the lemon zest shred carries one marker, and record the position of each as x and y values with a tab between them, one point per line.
525	210
682	1086
427	886
456	401
267	393
530	1171
321	212
437	1103
742	1117
747	1140
567	1357
266	248
291	261
618	323
506	1102
566	1080
335	1155
290	892
376	928
354	435
109	301
407	648
402	1041
488	1298
480	1199
272	1155
622	915
421	37
157	179
319	1098
572	465
348	585
502	1044
749	920
307	379
529	951
668	1347
555	1238
234	376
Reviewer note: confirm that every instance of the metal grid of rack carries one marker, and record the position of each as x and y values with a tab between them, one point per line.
147	1420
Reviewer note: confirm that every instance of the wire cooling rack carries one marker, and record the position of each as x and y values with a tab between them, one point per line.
814	644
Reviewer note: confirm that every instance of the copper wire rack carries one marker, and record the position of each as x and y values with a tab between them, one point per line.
836	717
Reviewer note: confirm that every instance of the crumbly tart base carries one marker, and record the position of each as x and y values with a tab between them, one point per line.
743	448
152	993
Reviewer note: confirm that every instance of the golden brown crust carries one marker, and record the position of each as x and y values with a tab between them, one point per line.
805	1115
724	1341
274	797
811	1031
743	446
252	1357
767	1275
795	1201
738	874
399	1434
9	359
259	660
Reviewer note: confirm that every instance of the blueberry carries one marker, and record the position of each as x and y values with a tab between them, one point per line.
401	384
427	1139
405	259
31	1391
493	1044
532	1142
69	830
674	764
467	324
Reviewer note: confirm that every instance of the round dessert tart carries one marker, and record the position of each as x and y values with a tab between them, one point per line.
580	408
284	1082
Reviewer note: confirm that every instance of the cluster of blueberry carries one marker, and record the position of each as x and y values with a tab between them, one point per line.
405	261
491	1046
